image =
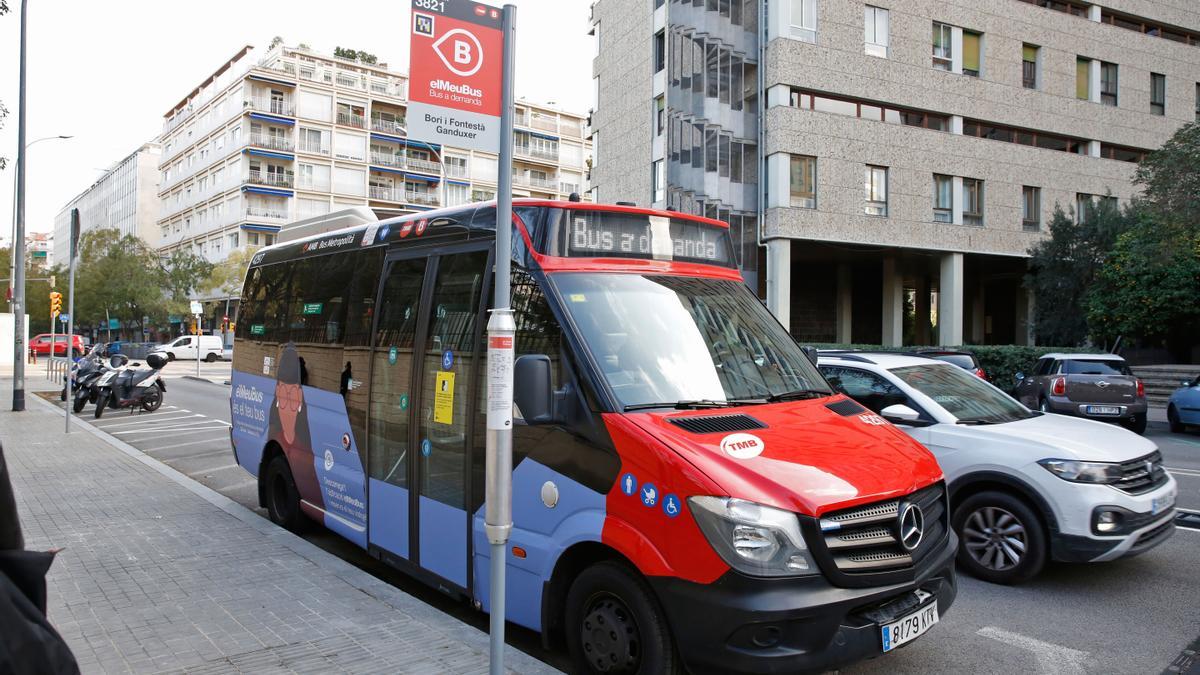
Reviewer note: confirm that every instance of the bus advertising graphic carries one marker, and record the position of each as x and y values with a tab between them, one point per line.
456	66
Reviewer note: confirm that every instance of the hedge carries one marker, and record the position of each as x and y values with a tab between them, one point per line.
1000	362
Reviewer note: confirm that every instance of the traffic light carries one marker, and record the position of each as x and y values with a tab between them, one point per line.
55	303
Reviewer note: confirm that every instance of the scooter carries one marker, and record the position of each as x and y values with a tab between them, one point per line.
132	386
84	374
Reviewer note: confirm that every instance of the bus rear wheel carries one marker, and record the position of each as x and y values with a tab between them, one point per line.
614	625
283	499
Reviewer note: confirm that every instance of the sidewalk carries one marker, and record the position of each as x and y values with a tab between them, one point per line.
161	574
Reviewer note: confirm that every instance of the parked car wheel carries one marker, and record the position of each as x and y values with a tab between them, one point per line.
614	624
170	356
1000	539
1177	426
1137	425
1043	405
211	358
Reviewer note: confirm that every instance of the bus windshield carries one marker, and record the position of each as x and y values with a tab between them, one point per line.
674	340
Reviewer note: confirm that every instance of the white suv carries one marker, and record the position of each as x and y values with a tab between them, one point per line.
1025	486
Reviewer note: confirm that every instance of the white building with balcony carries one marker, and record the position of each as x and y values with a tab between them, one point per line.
296	134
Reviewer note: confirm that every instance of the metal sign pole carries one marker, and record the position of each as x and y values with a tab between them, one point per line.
71	310
501	331
18	242
197	346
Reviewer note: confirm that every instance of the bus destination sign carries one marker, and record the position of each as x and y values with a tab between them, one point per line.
626	235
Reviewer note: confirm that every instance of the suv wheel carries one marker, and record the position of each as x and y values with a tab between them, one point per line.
1000	539
1177	426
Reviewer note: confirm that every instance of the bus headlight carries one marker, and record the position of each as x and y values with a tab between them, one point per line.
752	538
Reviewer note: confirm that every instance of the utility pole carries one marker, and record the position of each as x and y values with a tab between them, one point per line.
71	312
18	245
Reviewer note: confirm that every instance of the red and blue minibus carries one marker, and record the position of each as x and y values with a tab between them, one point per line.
688	492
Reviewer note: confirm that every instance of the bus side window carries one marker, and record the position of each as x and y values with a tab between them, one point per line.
356	356
317	317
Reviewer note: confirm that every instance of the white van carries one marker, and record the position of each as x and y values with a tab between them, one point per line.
186	348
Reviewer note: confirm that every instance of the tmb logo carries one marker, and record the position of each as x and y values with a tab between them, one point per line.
742	446
460	51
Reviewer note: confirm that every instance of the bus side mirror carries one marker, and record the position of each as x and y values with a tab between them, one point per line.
532	388
811	353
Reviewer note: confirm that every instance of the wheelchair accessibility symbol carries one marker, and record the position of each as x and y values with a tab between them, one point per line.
671	506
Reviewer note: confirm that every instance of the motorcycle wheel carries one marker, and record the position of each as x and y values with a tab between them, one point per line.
62	395
101	404
152	399
77	406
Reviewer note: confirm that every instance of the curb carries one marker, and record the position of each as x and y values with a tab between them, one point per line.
514	659
197	379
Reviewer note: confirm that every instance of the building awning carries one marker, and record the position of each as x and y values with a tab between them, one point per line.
256	190
375	135
427	146
386	170
268	153
418	176
273	119
415	207
263	78
543	136
261	228
457	182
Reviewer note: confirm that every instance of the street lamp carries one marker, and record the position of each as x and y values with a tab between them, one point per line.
14	222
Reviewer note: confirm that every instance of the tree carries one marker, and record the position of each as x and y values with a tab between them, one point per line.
120	277
1063	267
186	272
1170	177
276	41
226	277
355	55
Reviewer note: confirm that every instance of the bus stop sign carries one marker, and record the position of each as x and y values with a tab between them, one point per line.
455	74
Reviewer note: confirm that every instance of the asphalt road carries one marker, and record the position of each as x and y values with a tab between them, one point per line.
1129	616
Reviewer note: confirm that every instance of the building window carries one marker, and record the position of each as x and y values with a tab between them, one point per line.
875	24
875	186
803	20
1029	59
659	176
943	46
972	53
1158	94
1031	208
660	115
943	199
1086	206
1108	83
972	201
1083	80
803	180
660	51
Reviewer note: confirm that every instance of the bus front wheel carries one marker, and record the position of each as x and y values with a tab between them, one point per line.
614	625
283	499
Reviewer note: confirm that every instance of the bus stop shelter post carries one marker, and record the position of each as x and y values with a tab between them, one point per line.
501	331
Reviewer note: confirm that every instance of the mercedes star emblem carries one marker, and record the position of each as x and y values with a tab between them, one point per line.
912	526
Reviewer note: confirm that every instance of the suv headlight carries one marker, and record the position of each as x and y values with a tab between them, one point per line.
752	538
1083	472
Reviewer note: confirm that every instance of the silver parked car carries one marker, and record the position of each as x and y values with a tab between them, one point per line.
1096	386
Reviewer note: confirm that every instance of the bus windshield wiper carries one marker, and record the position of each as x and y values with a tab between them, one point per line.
797	395
680	405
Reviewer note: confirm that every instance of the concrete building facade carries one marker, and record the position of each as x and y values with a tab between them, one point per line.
296	134
910	152
125	198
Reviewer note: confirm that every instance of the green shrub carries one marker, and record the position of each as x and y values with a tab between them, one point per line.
1000	362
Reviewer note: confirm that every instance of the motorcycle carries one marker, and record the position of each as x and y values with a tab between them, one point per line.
132	386
84	373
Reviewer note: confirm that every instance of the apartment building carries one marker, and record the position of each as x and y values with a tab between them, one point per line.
296	134
125	198
910	152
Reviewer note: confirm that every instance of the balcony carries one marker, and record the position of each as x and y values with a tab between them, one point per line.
548	184
313	148
266	213
423	165
351	120
387	159
456	170
389	126
271	142
387	194
539	154
422	198
268	104
270	178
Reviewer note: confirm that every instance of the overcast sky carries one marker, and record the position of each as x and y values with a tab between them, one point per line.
105	72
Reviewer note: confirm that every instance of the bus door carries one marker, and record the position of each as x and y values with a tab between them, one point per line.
422	418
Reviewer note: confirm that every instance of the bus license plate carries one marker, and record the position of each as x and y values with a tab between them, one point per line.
1103	410
909	628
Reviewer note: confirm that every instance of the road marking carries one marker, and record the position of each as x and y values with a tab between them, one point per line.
214	469
1195	473
180	445
237	486
1051	658
173	431
102	425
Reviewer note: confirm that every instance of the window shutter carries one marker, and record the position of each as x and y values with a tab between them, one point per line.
970	51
